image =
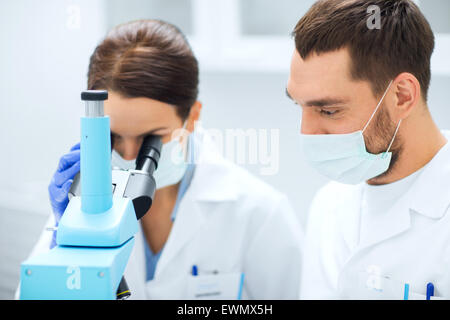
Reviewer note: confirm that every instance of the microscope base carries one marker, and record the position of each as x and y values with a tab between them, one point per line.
75	273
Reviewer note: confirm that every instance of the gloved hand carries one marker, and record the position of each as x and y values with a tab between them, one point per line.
68	167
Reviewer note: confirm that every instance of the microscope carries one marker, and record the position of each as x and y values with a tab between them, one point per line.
95	235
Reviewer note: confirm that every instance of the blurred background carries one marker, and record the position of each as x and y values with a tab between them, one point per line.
244	49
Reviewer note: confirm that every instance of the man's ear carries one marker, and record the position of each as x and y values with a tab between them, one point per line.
407	94
194	115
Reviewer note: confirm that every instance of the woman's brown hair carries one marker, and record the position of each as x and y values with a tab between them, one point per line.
147	58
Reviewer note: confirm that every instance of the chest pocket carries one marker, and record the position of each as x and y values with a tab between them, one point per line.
371	284
222	286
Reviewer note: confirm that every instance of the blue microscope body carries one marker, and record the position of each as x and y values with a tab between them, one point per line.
95	235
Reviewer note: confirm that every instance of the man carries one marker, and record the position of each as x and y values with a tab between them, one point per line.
380	230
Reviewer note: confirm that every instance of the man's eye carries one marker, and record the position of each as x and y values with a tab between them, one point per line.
328	113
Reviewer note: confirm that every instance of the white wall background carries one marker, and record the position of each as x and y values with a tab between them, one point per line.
43	65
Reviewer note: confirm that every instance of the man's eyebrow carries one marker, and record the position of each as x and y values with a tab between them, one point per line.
325	102
320	102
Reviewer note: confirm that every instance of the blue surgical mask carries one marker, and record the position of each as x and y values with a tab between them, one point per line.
344	157
172	163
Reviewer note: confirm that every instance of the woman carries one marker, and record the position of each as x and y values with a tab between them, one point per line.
210	219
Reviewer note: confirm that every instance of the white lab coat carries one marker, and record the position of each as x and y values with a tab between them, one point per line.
227	221
411	243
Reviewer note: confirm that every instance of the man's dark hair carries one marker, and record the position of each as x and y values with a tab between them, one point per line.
403	43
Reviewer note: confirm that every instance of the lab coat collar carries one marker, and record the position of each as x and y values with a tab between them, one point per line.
349	215
211	182
431	192
395	221
429	195
211	167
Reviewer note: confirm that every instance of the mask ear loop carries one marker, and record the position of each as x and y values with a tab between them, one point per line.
183	130
192	156
379	104
395	134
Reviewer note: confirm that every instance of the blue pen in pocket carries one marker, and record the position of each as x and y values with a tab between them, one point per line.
406	292
194	270
430	290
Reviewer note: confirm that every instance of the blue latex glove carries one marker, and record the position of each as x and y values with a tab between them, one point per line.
58	189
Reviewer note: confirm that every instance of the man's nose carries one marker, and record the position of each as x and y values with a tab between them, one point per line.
310	122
